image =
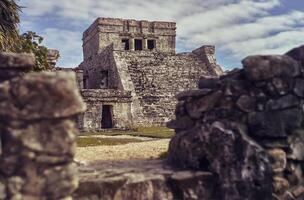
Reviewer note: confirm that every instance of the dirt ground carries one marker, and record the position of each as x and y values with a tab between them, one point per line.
148	148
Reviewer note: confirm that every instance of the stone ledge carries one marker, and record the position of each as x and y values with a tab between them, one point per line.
58	97
142	179
13	60
106	95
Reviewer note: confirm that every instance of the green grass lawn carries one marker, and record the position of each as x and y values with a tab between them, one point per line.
89	141
87	138
153	132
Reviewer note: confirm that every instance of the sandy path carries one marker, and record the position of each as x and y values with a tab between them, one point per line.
139	150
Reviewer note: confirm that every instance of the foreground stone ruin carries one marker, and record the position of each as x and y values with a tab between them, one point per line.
37	131
238	137
143	179
245	126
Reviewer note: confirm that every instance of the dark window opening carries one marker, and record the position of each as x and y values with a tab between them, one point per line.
107	116
85	84
125	43
104	79
138	45
86	79
151	44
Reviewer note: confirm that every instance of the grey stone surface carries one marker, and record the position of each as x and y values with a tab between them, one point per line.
143	179
299	87
280	185
38	133
223	148
257	122
277	159
20	99
197	107
274	123
13	60
208	82
14	65
282	85
266	67
246	103
297	54
296	142
284	102
192	94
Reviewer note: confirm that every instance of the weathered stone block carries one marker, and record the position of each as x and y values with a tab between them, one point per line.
299	87
61	181
197	107
282	85
225	149
298	192
297	54
14	65
259	68
38	135
143	179
3	194
246	103
295	172
180	109
280	185
275	124
19	61
268	93
283	102
206	82
181	123
296	142
56	138
193	94
23	102
277	159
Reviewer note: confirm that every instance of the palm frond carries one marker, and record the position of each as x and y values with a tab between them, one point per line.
9	19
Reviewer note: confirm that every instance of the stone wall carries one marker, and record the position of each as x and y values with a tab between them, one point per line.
37	131
247	128
96	99
149	75
106	31
155	78
93	68
14	65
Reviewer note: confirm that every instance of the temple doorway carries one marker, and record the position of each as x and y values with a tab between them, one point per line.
107	116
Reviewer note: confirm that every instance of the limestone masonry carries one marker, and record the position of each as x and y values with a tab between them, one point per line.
131	73
37	131
246	127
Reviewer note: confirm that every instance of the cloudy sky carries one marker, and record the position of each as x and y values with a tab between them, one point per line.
237	27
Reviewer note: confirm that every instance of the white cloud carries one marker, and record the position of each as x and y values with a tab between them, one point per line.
261	27
275	44
236	27
224	16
